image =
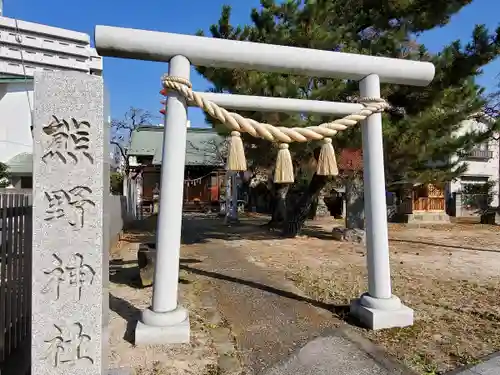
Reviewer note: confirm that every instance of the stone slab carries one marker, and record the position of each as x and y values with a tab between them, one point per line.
468	372
70	227
173	334
489	366
121	371
332	355
381	319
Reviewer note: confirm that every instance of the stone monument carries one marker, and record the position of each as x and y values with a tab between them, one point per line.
354	230
355	204
321	208
70	229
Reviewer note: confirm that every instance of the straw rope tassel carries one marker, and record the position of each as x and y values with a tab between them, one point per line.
283	173
236	160
327	163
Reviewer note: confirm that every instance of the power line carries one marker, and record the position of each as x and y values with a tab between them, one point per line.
19	39
15	143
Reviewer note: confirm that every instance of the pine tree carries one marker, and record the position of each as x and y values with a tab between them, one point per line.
420	130
4	175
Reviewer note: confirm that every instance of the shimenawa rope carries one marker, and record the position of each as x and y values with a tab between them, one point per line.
327	164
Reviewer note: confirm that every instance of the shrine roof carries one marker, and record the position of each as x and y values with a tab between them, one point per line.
21	164
7	78
202	145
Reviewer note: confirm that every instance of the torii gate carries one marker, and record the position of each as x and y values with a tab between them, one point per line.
167	322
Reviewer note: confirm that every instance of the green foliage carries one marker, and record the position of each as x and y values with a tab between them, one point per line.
420	132
116	183
4	175
479	196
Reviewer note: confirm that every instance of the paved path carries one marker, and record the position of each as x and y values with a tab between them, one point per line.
282	332
330	355
278	330
490	366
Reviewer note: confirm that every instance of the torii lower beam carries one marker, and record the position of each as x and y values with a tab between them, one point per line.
269	104
165	321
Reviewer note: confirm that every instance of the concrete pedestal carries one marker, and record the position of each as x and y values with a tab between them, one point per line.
163	328
378	313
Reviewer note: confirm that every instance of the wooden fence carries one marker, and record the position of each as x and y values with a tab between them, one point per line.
15	282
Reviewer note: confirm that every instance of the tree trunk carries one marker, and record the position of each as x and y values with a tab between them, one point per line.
319	207
301	210
355	206
314	209
279	205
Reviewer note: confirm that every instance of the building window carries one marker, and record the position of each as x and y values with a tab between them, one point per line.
482	146
476	192
480	151
27	182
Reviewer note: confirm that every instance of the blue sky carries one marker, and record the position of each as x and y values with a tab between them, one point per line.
137	83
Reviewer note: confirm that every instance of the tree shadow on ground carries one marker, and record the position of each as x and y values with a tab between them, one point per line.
126	272
128	312
435	244
202	229
340	311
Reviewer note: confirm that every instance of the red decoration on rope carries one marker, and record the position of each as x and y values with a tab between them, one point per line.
163	92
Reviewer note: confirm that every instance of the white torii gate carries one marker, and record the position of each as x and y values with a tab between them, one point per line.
167	322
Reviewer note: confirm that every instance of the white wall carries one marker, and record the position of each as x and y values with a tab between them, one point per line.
489	168
117	160
27	47
15	120
119	216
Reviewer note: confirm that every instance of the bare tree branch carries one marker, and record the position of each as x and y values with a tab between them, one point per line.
122	129
492	107
122	151
219	151
133	118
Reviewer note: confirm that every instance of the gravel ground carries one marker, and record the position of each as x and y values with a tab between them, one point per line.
210	336
448	274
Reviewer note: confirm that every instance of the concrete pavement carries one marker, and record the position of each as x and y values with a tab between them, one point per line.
489	366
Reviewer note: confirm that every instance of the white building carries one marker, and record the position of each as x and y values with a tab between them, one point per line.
117	163
27	47
483	163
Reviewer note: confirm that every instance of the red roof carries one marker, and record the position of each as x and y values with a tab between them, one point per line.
350	159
